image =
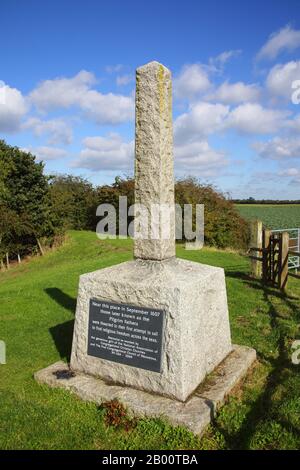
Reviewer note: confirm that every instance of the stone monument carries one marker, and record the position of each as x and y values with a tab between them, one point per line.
181	304
156	324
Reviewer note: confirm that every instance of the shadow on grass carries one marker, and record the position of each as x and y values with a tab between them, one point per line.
264	408
64	300
62	334
269	292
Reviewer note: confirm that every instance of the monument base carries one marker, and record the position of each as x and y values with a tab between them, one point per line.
195	414
194	336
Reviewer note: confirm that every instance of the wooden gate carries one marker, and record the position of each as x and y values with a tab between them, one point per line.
275	259
270	259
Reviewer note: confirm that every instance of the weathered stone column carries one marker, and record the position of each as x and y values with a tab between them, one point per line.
154	174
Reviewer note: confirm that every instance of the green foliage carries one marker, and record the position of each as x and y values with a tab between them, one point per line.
109	194
27	190
73	201
24	201
6	165
224	227
274	216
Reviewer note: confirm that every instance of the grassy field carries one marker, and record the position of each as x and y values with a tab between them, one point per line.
273	215
36	320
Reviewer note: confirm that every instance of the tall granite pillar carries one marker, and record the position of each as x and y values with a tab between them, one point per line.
154	174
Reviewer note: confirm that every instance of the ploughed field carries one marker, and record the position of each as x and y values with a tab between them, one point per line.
274	216
37	308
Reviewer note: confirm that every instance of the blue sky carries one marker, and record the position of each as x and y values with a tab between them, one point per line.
67	87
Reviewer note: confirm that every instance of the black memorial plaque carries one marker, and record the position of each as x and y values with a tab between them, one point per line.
126	334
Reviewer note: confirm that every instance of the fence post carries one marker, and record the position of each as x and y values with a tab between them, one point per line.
284	260
7	260
266	255
256	242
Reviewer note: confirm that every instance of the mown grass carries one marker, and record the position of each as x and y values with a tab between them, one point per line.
36	320
274	216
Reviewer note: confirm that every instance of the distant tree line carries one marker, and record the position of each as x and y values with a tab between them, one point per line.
252	200
36	209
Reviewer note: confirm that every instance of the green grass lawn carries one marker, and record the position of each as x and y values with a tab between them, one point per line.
274	216
36	320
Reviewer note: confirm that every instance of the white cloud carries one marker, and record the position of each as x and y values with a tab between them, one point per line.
106	153
114	68
293	174
290	172
124	79
112	153
191	148
280	78
47	153
202	119
286	39
62	92
66	92
107	109
278	148
12	108
232	93
216	64
293	125
192	81
252	118
199	157
57	130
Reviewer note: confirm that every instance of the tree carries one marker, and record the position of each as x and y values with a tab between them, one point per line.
24	199
73	201
26	188
223	225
